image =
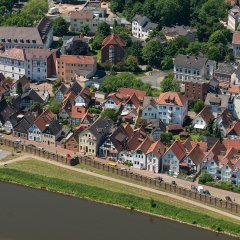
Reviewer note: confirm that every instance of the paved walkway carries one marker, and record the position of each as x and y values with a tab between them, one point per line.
195	203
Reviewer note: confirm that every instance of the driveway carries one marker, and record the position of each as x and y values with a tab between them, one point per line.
154	78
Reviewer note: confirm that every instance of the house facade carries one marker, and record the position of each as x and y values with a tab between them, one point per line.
142	26
193	68
236	44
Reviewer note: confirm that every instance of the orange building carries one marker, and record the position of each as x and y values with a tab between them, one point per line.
69	67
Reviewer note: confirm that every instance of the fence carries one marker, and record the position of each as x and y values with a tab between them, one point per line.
217	202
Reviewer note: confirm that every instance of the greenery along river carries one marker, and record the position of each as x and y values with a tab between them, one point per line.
29	211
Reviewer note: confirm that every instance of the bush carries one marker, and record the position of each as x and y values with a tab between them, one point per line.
205	177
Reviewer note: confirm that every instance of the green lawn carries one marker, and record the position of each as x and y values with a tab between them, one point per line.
49	170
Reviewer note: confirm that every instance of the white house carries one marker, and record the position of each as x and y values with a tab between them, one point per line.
236	44
172	107
193	68
154	157
150	108
40	124
172	157
202	119
142	26
233	18
113	101
35	63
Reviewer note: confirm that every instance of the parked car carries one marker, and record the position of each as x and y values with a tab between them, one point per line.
200	189
174	183
159	179
31	145
228	199
18	141
193	188
112	164
206	192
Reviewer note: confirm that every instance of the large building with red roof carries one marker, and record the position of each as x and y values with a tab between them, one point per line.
113	49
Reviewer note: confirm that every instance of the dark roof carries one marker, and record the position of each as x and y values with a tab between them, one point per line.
150	26
225	68
217	99
101	127
63	89
76	88
119	138
190	61
53	128
33	96
141	19
25	123
178	30
6	113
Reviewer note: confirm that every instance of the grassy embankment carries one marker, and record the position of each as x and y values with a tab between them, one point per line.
38	174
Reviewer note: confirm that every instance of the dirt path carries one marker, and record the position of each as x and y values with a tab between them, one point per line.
195	203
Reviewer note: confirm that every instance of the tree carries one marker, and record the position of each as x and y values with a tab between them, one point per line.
205	177
153	53
55	106
210	126
167	63
166	138
218	37
113	82
60	26
136	50
131	64
104	29
19	89
214	53
169	84
217	132
56	84
86	29
198	106
97	41
113	114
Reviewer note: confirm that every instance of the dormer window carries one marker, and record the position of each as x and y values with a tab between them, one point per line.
33	41
21	41
27	41
9	40
15	40
3	40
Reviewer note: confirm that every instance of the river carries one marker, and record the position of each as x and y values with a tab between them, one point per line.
30	214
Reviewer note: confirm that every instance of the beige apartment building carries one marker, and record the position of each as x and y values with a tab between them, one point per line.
70	67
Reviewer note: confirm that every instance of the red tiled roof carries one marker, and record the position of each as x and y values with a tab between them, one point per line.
172	98
78	112
113	39
172	127
235	143
44	119
205	114
127	92
128	129
197	155
235	127
178	149
157	148
236	38
115	98
145	145
234	88
134	100
81	15
76	59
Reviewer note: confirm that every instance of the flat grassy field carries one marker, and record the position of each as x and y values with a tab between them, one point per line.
49	170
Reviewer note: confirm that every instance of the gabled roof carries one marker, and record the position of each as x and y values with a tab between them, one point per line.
128	129
236	38
134	101
235	129
101	127
172	98
227	118
44	119
85	94
196	155
6	112
76	88
127	92
119	138
115	98
53	128
147	101
157	148
24	81
63	89
178	149
33	96
228	143
205	114
82	15
25	123
113	39
137	138
78	112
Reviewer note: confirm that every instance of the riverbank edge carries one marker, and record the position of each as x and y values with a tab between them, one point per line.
8	178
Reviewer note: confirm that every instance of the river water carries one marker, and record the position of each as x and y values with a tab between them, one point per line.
29	214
